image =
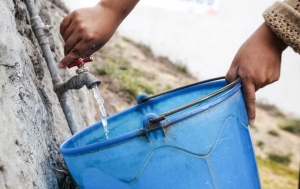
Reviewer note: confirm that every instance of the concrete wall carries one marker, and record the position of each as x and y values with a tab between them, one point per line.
32	122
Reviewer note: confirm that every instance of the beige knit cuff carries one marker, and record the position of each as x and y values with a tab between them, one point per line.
284	20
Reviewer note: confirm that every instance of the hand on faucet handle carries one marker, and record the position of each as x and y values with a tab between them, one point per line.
80	61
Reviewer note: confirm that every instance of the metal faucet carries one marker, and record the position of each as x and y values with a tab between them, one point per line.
82	78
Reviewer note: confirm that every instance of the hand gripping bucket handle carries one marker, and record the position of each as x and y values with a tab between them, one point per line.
144	98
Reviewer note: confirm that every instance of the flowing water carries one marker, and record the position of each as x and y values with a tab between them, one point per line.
102	109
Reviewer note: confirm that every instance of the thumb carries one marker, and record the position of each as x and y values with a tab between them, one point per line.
249	95
232	74
72	56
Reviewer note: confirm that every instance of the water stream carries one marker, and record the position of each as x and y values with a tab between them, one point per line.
102	109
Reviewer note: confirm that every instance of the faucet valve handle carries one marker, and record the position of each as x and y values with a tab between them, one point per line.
80	61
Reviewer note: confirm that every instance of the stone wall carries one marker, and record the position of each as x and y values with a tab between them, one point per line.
32	122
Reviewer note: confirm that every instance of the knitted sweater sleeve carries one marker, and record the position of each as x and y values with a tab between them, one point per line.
284	19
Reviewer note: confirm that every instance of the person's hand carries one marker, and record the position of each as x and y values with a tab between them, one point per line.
86	30
257	62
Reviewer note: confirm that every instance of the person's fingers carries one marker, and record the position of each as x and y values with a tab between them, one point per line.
65	23
69	32
88	54
81	50
90	51
71	43
69	58
248	88
232	74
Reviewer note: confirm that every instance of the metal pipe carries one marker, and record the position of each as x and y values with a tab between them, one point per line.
38	26
39	32
65	104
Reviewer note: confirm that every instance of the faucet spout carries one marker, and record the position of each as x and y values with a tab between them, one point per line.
77	82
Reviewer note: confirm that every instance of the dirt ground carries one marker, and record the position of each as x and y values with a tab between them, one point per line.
163	73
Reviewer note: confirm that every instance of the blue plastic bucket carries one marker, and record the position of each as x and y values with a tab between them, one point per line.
206	145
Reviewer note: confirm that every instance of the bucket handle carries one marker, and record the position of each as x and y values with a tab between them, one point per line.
163	116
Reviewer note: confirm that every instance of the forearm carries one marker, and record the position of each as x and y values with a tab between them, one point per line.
119	8
270	39
284	20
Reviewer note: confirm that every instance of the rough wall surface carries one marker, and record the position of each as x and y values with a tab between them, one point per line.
32	122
